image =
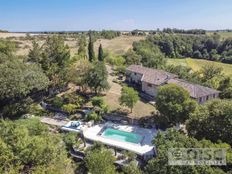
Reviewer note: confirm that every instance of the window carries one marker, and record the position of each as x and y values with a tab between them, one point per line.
200	100
135	74
207	98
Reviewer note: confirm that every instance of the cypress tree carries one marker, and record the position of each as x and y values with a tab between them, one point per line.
91	49
100	53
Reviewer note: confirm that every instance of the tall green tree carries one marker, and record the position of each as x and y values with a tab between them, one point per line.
78	72
132	58
100	161
17	83
210	71
174	103
129	97
55	52
131	168
171	138
35	54
151	54
96	78
56	57
212	121
100	53
225	86
26	146
82	46
91	49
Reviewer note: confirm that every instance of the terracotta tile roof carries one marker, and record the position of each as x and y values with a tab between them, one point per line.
152	76
194	90
159	77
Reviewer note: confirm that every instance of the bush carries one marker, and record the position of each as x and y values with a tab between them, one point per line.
37	110
94	116
130	155
97	101
57	102
70	139
75	117
73	99
70	108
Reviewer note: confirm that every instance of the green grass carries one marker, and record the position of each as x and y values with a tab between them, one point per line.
224	35
197	64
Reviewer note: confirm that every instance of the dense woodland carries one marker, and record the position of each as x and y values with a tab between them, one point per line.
195	46
182	31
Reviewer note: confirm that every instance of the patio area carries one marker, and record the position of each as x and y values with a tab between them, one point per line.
143	148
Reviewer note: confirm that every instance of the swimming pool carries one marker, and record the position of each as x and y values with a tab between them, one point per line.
122	135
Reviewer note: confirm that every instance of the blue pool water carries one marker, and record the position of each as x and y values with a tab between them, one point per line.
122	135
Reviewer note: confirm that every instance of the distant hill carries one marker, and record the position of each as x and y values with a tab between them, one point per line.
3	31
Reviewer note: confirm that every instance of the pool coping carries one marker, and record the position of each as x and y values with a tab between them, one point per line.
146	148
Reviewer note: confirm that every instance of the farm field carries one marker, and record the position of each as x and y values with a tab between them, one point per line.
5	35
224	35
118	45
197	64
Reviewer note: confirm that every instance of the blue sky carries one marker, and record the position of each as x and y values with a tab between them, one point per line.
38	15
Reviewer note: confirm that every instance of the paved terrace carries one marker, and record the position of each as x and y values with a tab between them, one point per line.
52	121
145	148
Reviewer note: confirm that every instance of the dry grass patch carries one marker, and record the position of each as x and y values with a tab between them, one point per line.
118	45
141	108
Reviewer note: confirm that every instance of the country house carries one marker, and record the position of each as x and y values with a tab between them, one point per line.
148	80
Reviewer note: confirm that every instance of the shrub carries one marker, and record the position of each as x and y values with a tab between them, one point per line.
70	108
97	101
94	116
73	99
37	110
70	139
57	102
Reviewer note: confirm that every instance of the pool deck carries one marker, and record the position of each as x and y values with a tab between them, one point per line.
52	121
145	148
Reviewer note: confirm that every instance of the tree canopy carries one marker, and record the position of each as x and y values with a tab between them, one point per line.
129	97
100	53
151	54
132	58
100	160
171	138
55	58
195	46
35	54
212	121
91	48
27	147
82	46
18	81
96	78
174	103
